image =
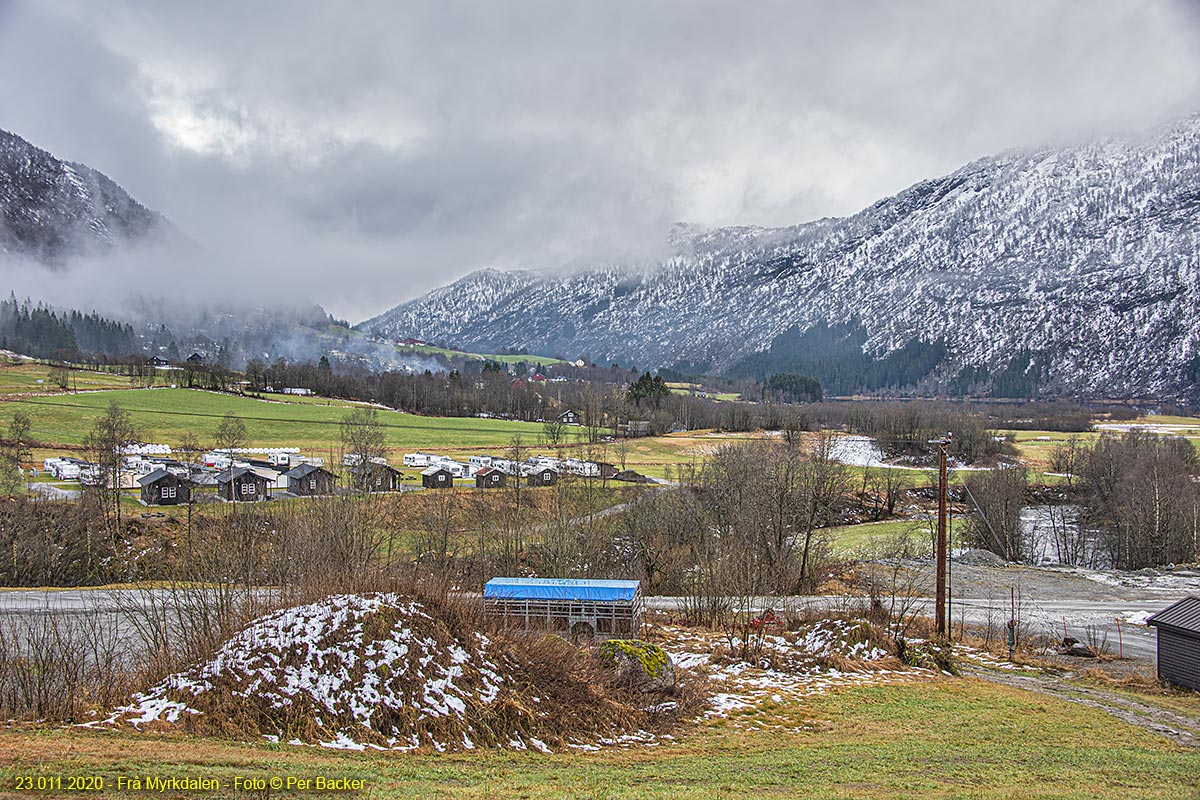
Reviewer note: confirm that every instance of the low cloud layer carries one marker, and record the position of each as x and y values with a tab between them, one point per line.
360	155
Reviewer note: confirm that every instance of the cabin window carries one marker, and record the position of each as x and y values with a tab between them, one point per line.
441	478
168	491
378	481
248	488
546	477
312	483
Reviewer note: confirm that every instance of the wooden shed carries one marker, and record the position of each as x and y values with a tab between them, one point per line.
581	608
437	478
568	417
490	478
242	485
309	480
162	488
1178	629
542	476
375	477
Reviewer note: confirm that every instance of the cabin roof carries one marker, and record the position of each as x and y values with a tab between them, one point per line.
238	472
304	470
155	476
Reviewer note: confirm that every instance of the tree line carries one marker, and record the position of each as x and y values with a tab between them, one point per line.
1138	496
41	332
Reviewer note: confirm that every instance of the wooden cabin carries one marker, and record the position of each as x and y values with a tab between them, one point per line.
568	417
162	488
542	476
242	485
375	477
437	478
309	480
490	478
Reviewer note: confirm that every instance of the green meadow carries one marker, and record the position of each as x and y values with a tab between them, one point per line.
165	415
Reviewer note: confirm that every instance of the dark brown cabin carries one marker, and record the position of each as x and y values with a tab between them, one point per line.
242	485
490	478
542	476
309	480
162	488
437	478
376	477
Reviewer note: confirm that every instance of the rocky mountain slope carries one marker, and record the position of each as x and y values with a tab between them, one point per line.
1065	271
51	209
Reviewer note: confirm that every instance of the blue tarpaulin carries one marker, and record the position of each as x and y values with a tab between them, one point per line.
560	589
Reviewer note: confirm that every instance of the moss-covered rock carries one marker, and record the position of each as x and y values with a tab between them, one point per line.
639	665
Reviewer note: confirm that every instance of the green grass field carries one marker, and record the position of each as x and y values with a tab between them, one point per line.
164	415
25	377
849	540
947	738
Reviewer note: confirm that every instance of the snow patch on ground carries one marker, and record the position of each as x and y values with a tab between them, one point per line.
787	668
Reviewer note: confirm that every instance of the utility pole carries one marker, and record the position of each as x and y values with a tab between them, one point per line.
940	603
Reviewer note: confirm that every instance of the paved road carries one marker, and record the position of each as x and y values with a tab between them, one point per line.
1135	640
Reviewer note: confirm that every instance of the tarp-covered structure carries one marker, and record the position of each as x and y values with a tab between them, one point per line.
579	607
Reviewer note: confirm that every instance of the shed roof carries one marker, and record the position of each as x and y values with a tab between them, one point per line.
1181	616
154	477
238	472
560	589
434	470
373	467
303	470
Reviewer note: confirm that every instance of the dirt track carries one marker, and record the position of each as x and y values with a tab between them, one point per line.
1177	726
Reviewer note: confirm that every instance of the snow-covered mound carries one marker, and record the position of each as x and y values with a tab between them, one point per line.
379	671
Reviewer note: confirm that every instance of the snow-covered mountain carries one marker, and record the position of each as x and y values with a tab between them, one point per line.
1067	271
51	209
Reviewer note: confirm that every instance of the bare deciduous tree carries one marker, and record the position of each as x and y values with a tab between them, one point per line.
107	442
364	445
997	497
231	434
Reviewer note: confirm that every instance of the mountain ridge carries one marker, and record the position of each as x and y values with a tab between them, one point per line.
52	210
1079	262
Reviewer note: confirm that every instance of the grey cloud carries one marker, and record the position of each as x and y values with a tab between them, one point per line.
376	150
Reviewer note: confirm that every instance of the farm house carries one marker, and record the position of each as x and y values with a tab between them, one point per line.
578	607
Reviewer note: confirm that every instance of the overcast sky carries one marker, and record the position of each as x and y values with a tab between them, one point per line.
377	150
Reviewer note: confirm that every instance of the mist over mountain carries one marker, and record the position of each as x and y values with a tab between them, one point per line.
52	210
1067	270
